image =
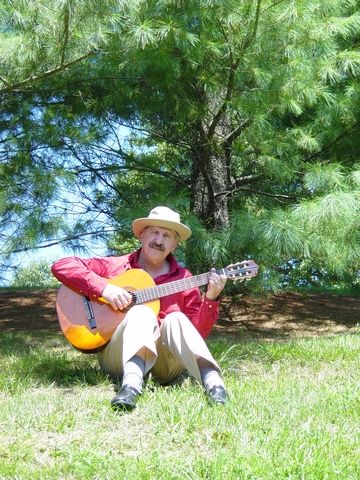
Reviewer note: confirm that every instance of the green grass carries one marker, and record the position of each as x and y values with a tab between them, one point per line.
331	290
294	414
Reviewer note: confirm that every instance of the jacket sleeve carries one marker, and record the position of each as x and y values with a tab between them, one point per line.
87	276
202	312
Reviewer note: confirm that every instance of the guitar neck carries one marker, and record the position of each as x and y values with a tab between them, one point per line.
153	293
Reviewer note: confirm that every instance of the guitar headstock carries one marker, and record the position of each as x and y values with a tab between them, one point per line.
240	271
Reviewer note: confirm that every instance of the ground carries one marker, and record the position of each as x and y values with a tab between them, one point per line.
273	317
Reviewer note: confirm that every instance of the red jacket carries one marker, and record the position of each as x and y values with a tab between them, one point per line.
88	276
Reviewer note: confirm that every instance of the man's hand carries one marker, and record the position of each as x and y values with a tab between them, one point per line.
216	285
118	297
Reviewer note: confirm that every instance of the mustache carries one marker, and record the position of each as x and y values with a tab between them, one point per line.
157	246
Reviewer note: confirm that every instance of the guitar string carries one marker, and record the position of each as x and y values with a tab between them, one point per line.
158	291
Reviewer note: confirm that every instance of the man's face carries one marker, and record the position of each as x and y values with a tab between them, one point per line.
158	242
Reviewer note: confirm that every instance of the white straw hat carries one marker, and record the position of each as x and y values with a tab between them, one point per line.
162	217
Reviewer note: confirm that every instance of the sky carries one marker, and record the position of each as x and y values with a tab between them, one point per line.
51	254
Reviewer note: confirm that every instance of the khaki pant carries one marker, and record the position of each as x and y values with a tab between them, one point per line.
173	347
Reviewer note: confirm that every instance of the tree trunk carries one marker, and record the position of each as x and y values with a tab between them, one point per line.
210	181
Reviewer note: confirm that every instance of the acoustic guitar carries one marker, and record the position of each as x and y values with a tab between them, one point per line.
88	324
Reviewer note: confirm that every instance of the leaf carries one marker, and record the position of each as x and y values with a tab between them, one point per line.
306	140
144	35
349	62
324	178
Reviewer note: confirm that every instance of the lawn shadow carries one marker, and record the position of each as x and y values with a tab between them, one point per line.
17	343
48	359
66	373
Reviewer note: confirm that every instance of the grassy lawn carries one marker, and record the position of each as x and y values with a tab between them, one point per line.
294	414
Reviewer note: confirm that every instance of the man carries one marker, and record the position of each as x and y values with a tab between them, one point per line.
166	345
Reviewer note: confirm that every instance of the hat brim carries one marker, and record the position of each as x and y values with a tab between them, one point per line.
139	224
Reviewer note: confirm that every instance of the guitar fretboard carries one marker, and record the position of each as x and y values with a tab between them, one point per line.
152	293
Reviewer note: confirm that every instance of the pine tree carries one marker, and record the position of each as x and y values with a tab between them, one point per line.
244	115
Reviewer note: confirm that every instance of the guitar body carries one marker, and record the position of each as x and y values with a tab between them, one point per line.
89	324
73	312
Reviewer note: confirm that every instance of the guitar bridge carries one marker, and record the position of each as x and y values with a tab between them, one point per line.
89	312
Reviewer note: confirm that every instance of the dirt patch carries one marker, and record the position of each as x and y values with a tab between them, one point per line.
289	315
279	316
24	310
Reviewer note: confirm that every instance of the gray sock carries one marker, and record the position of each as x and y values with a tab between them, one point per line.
210	377
134	373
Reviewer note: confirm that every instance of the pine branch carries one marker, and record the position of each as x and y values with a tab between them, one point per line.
354	129
272	195
93	170
5	81
135	165
252	36
202	153
278	196
16	87
64	240
160	136
66	33
228	96
274	4
135	168
233	69
245	179
236	132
